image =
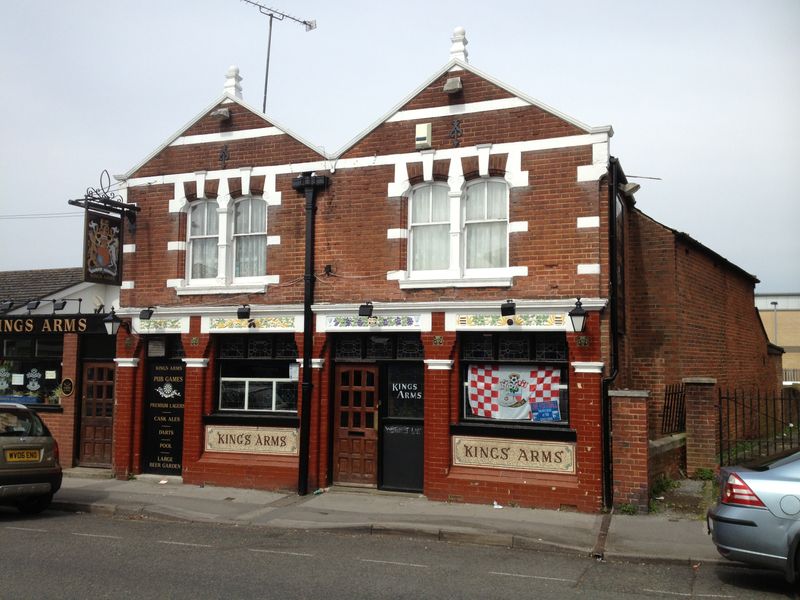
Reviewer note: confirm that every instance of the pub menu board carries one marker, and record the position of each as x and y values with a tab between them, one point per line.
405	390
163	415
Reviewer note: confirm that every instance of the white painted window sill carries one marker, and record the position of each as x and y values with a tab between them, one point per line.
197	290
498	278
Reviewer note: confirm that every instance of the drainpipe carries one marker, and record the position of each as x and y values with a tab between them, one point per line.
309	184
608	467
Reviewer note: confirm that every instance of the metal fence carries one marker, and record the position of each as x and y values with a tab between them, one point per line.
791	374
673	416
755	424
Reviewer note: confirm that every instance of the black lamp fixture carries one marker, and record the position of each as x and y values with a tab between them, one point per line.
508	308
146	313
32	304
6	305
365	310
62	303
578	317
243	312
113	323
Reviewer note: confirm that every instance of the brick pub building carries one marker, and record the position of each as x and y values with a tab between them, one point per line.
57	359
397	316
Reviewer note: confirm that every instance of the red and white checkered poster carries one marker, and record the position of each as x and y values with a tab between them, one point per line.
514	393
544	395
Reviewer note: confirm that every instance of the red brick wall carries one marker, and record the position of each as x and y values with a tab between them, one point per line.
702	425
630	451
269	150
670	464
352	219
63	425
443	481
525	123
720	330
690	315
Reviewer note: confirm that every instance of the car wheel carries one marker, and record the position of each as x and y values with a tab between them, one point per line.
794	577
34	504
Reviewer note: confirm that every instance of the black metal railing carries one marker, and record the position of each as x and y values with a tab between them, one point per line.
673	416
755	424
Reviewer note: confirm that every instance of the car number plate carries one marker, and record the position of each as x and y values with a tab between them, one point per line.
22	456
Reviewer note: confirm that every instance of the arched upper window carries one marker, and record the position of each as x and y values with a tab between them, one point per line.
203	240
250	237
486	224
480	222
430	228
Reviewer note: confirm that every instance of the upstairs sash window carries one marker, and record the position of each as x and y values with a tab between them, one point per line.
430	228
250	237
203	240
486	225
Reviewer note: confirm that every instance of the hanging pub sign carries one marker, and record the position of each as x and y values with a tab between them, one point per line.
102	248
102	233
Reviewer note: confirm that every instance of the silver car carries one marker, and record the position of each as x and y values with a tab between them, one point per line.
757	518
29	469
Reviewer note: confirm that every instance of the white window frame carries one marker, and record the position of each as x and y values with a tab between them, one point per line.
247	380
457	274
237	236
427	273
483	271
225	282
192	207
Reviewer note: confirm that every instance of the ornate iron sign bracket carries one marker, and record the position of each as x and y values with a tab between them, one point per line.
104	200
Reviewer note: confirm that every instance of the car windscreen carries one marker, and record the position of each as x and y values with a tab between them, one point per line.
14	422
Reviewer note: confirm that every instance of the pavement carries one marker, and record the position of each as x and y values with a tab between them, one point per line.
663	536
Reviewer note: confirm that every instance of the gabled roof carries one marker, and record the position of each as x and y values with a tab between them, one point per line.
21	286
224	98
467	67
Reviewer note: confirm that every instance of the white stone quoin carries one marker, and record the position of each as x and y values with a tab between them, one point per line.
459	48
233	82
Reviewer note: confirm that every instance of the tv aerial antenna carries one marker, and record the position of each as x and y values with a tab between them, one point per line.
280	16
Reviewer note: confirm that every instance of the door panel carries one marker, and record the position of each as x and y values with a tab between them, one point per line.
97	415
356	425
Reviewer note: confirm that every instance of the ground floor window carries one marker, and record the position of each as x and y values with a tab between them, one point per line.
258	374
514	378
30	369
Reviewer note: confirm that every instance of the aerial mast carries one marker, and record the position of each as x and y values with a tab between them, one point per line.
276	14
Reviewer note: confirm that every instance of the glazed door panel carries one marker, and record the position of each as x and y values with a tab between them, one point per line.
355	452
97	414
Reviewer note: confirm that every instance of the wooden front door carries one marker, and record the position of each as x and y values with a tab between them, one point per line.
97	414
356	425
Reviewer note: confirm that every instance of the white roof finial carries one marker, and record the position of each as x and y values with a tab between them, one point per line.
459	48
232	85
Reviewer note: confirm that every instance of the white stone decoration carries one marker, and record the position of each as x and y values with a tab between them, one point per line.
458	50
233	86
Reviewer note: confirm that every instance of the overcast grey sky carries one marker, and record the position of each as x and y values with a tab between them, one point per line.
705	95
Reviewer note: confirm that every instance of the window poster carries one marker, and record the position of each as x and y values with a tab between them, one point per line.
514	392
